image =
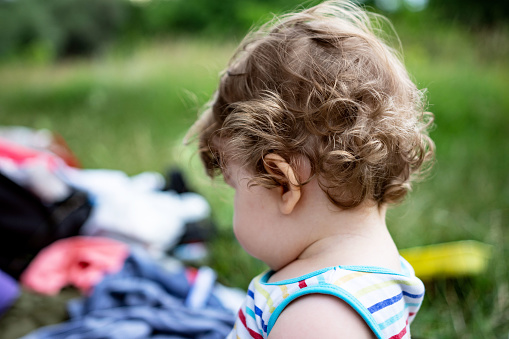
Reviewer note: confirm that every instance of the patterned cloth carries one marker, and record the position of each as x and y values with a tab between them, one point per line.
386	300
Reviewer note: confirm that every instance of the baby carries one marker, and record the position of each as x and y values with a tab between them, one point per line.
318	128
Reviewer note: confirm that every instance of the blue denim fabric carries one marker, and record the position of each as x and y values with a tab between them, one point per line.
141	301
9	292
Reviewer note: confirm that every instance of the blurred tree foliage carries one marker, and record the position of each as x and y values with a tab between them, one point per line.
221	18
473	12
58	28
52	29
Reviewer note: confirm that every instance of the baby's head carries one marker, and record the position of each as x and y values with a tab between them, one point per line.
320	88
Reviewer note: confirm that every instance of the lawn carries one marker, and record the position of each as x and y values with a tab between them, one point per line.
130	111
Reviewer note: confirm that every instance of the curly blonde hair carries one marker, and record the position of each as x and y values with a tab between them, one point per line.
321	85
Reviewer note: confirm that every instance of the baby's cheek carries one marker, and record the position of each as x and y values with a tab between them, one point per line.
247	238
240	234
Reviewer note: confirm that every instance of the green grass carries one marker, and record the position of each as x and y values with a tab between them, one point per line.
131	112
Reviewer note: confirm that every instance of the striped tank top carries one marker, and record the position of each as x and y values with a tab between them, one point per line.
386	300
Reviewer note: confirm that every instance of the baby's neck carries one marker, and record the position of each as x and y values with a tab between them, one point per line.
350	237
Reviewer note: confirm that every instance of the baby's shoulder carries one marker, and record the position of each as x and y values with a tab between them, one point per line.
357	301
320	316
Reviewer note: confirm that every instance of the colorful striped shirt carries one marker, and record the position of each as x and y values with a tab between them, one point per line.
386	300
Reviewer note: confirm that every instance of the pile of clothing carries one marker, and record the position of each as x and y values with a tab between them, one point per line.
108	235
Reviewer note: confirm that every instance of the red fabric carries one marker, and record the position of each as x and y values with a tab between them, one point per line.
60	148
20	155
79	261
253	334
302	284
191	274
399	335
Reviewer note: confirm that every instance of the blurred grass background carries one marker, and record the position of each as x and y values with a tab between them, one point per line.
127	103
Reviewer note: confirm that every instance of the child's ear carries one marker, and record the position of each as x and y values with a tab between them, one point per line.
286	176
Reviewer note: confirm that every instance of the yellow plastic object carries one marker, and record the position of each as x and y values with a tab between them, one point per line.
453	259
